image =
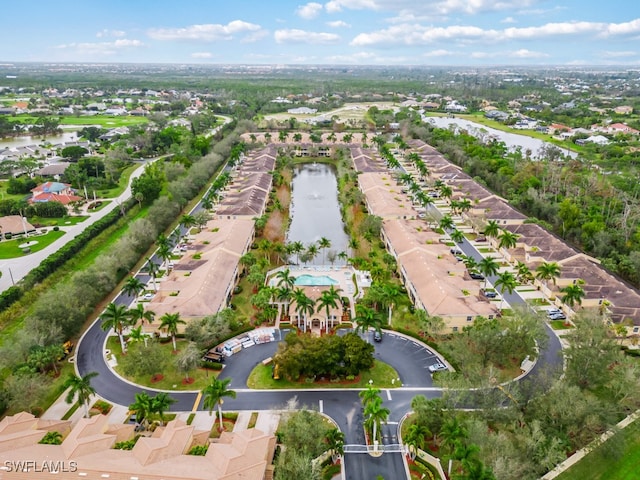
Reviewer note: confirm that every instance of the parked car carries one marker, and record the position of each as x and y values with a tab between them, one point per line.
455	251
488	293
377	337
553	311
437	367
557	316
148	296
476	275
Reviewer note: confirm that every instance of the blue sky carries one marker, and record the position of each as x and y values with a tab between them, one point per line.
364	32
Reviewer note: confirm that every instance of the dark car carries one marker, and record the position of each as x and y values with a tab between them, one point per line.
377	336
476	275
489	293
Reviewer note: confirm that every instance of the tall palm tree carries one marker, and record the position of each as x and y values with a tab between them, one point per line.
506	281
415	439
328	299
488	266
367	318
170	322
492	229
81	388
324	243
161	403
142	407
548	271
137	335
133	287
573	294
446	223
115	316
507	239
284	294
452	433
285	279
470	262
312	251
304	306
343	256
376	415
165	252
187	221
389	294
153	269
140	314
297	248
214	394
335	442
369	395
523	273
457	236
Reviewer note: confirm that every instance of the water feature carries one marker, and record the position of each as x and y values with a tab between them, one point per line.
315	211
511	140
26	140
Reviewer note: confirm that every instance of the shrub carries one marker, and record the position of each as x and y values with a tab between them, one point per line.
56	228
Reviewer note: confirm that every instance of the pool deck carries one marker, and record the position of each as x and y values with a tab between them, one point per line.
343	275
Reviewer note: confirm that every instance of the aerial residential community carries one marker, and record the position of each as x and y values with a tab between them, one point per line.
339	240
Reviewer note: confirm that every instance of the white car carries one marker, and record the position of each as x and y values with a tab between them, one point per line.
437	367
148	296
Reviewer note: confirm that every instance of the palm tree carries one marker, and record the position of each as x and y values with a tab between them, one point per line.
446	223
324	243
214	393
297	248
452	432
115	316
457	236
343	256
187	221
507	239
285	278
573	294
335	442
284	294
170	322
153	269
328	299
389	294
133	287
137	335
548	271
367	318
506	281
142	407
369	395
312	252
304	306
492	229
376	415
488	266
140	314
470	262
161	403
165	252
81	388
523	273
415	438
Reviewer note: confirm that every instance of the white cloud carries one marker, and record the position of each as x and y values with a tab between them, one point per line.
302	36
508	20
205	32
110	33
432	8
100	48
416	34
201	55
524	53
439	53
367	58
609	54
309	11
334	6
338	24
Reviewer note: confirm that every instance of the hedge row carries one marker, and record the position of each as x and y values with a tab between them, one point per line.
54	261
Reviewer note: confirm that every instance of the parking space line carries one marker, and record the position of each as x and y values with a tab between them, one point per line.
389	395
321	406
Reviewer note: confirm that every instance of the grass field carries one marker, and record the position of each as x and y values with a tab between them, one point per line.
11	249
381	374
60	222
122	182
616	459
104	121
9	196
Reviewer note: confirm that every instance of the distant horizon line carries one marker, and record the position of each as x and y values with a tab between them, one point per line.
9	63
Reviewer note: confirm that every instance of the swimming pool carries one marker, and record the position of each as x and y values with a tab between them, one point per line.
315	281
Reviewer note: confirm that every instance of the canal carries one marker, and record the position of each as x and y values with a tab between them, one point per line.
315	210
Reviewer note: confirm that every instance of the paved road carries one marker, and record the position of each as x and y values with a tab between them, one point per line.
21	266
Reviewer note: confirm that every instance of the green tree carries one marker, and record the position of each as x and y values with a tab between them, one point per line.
367	318
328	299
80	388
169	322
188	359
304	306
573	294
507	239
488	266
506	282
142	408
335	443
115	316
376	414
457	236
153	269
324	243
161	403
140	314
133	287
548	271
416	438
492	229
214	394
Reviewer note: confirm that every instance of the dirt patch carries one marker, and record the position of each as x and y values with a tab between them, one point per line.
157	378
188	381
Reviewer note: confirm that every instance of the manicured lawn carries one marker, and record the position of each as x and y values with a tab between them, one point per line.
535	301
122	183
381	374
559	325
611	461
104	121
11	249
60	222
9	196
172	379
